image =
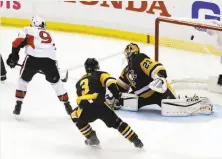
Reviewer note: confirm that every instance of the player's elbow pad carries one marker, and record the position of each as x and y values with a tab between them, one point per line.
114	90
162	73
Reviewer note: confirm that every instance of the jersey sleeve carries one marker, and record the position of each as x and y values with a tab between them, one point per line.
122	82
20	41
153	68
109	82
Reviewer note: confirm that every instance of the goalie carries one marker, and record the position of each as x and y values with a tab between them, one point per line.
148	81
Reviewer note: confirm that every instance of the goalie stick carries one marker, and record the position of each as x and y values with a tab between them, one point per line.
65	79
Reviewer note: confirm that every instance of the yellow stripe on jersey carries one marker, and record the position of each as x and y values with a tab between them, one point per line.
147	94
103	78
110	81
86	97
147	66
76	113
159	69
171	89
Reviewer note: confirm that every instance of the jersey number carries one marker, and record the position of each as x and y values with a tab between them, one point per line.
46	38
85	86
147	63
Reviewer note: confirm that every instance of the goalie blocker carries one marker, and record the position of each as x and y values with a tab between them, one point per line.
172	107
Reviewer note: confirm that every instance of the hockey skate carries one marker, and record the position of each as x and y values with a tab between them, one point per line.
92	140
137	142
18	108
68	108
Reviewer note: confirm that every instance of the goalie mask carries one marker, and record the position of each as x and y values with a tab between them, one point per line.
38	22
91	65
130	50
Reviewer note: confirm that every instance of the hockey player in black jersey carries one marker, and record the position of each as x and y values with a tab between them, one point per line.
147	80
145	77
91	89
3	70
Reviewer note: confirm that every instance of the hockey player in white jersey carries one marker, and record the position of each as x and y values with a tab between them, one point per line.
41	56
218	35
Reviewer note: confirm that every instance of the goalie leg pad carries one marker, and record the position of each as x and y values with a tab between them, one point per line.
130	102
186	106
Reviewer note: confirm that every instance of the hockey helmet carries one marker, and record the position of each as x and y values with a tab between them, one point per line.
91	65
36	21
131	49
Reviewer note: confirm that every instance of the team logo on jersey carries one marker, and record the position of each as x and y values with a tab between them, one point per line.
132	77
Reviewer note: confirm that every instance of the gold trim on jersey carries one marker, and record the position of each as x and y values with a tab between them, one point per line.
148	65
76	113
86	97
103	78
156	70
147	94
171	89
110	81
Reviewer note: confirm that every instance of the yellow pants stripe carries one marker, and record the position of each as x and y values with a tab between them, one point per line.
130	135
127	128
85	127
87	134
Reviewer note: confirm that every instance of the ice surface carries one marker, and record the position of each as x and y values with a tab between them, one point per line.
45	131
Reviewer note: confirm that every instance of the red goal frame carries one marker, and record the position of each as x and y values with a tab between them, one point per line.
179	22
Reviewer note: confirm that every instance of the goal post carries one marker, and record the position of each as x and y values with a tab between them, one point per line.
178	22
176	33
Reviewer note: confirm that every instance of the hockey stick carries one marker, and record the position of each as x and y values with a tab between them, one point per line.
65	79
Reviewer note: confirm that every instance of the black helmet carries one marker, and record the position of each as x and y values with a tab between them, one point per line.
91	65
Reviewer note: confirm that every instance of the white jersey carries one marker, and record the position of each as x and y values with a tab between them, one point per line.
38	42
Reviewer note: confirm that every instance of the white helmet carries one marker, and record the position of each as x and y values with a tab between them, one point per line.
38	22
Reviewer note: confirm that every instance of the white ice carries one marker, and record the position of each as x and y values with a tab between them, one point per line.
45	131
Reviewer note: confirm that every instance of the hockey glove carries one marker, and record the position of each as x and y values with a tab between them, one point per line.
114	103
12	60
159	85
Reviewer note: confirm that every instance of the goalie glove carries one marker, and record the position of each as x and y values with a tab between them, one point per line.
159	85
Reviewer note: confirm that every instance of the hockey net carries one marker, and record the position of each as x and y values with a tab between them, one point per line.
193	61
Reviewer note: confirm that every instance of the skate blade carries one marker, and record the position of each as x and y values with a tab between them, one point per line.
95	146
18	118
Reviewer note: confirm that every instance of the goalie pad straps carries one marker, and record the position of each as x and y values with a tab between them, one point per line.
130	102
186	106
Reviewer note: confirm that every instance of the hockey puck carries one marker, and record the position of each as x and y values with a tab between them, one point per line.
192	37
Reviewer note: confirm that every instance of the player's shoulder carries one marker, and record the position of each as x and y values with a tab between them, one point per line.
84	76
99	73
141	56
28	30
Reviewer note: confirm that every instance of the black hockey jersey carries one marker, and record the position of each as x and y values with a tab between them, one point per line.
139	73
93	85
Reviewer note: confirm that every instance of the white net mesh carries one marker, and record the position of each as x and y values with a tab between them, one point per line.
190	64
